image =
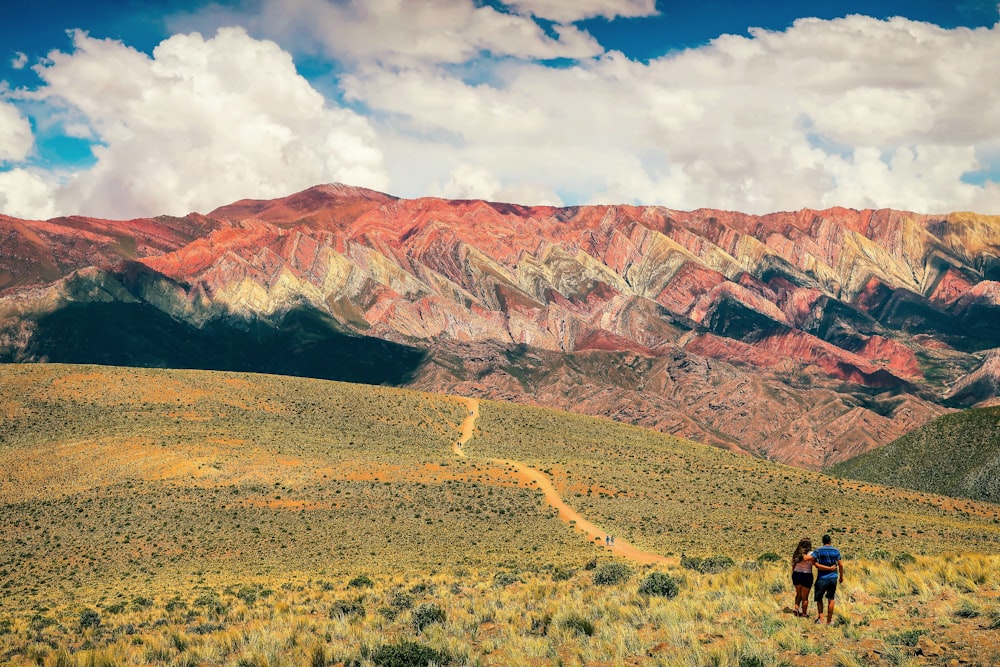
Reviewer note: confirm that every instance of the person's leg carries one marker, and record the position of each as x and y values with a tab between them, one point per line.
805	601
798	599
829	613
819	601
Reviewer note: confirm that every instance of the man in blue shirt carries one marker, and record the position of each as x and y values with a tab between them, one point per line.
830	570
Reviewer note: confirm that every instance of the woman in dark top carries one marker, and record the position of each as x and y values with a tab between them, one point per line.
802	575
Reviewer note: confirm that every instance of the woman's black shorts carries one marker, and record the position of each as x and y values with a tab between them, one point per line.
802	579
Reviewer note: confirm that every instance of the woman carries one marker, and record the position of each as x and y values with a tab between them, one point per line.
802	576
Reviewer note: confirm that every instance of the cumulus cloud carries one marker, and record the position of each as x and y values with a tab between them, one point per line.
201	123
16	137
19	60
855	111
403	33
26	194
577	10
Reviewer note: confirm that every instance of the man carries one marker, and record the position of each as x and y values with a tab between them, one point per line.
830	570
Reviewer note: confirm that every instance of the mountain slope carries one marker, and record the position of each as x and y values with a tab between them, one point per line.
252	474
805	337
956	455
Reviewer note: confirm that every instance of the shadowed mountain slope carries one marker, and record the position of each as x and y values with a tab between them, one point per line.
956	455
804	337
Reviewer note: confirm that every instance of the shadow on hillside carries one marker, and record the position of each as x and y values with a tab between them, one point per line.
303	342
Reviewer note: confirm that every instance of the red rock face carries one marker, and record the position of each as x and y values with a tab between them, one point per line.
806	337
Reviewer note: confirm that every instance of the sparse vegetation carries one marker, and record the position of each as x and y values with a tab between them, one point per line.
184	518
660	584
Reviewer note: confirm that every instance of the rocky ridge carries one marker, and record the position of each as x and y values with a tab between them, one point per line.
804	337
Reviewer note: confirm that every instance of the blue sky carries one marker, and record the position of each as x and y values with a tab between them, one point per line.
131	108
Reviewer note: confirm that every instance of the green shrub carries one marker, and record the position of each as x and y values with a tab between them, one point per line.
140	603
503	579
562	574
710	565
612	573
5	627
361	581
115	607
400	600
89	619
427	614
968	609
590	564
576	623
659	584
906	638
768	557
880	554
902	560
752	661
406	654
347	608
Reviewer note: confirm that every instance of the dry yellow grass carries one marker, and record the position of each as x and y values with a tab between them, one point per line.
272	493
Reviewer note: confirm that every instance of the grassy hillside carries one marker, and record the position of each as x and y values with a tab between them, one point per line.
955	455
190	517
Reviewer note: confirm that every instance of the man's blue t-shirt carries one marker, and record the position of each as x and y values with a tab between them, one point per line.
827	555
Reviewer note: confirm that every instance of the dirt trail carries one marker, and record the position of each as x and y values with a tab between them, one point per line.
533	477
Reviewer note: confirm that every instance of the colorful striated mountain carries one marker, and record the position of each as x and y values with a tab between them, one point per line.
805	337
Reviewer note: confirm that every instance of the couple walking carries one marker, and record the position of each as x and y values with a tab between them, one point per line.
829	570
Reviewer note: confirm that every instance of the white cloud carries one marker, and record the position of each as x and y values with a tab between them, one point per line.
401	33
568	11
201	123
19	60
16	137
855	112
25	194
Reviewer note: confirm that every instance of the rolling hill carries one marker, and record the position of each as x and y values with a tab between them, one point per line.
805	337
954	455
188	517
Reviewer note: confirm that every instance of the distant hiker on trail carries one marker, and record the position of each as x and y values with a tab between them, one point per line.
612	540
830	570
802	575
607	540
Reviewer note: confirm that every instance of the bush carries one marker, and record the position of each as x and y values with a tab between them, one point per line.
427	614
562	574
612	573
906	638
115	608
318	657
576	623
361	581
751	661
590	564
968	609
140	603
406	654
902	560
401	600
660	584
89	619
710	565
880	554
768	557
503	579
347	608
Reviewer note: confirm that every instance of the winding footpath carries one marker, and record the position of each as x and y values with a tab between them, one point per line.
532	477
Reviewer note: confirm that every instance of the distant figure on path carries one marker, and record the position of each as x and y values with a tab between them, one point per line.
802	575
607	540
612	540
830	570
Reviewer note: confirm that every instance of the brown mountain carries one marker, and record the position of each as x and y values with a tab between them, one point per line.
805	337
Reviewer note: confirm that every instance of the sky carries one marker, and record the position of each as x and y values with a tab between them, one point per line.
125	108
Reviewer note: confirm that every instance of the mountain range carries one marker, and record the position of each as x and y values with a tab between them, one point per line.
806	337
